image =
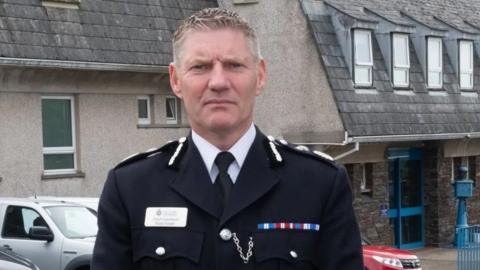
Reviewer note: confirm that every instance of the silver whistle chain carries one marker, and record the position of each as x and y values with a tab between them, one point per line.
249	254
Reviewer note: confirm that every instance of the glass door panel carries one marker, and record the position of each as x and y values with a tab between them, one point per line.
406	197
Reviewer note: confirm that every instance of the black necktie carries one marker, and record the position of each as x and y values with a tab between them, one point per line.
223	181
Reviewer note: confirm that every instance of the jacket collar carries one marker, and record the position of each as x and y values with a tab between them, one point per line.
256	178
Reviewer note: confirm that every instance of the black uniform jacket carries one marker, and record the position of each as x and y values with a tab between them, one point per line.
276	184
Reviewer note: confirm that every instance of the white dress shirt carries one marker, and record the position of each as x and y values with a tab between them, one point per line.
239	150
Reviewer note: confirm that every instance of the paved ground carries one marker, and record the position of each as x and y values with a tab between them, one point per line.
437	258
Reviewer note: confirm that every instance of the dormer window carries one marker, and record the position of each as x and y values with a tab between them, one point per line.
401	60
465	64
363	59
434	62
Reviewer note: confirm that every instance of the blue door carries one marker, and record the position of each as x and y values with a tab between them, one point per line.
406	197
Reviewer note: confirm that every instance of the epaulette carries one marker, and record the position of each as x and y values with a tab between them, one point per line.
179	149
276	159
302	150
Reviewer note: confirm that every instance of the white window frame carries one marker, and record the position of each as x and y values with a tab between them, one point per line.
148	119
63	150
399	67
435	69
462	69
363	182
362	65
174	119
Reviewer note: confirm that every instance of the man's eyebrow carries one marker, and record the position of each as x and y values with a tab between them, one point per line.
197	60
234	59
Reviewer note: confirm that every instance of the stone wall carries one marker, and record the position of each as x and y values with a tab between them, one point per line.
373	226
431	195
439	201
440	206
473	205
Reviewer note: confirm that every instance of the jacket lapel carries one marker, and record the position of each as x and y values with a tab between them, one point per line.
255	179
194	184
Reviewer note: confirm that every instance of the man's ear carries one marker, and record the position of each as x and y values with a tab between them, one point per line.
261	76
174	82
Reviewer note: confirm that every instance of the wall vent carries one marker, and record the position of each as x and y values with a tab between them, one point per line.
245	1
71	4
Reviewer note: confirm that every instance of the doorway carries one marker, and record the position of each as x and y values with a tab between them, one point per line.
405	168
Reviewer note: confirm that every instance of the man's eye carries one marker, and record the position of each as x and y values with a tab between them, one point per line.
199	67
234	65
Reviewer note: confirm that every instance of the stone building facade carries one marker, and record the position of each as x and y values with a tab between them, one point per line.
440	206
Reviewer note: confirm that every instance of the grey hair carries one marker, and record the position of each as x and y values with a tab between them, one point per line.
213	19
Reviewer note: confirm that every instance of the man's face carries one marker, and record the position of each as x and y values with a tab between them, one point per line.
218	79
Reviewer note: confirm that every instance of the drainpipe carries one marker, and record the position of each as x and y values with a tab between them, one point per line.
80	65
415	137
345	142
356	147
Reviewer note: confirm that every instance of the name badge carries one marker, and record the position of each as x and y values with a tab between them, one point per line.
166	217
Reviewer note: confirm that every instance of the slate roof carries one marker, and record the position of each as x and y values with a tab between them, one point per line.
387	112
104	31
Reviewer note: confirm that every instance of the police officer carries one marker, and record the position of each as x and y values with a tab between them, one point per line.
226	196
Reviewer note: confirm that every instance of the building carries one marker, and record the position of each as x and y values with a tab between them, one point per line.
85	84
405	76
388	88
405	80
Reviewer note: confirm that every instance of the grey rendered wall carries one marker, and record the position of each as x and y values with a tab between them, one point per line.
297	102
106	128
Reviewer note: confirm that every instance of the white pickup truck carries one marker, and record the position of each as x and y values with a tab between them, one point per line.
55	235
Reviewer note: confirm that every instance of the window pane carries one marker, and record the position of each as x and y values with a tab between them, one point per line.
400	50
142	108
466	80
411	229
434	78
466	56
362	75
434	53
58	161
362	47
57	122
400	77
171	108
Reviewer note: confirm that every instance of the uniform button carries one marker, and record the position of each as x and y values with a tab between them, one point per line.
225	234
293	254
160	251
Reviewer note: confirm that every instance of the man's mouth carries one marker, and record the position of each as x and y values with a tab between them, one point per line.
218	101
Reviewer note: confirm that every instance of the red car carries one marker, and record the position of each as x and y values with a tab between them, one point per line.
388	258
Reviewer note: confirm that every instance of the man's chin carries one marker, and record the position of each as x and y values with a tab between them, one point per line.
222	127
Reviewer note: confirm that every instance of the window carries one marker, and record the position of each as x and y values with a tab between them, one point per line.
401	60
366	183
143	110
58	135
19	220
171	110
466	64
434	60
363	59
74	221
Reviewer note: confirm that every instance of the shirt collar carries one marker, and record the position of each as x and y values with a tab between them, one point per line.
239	150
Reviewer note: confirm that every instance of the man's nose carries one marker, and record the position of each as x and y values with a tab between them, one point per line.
218	79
